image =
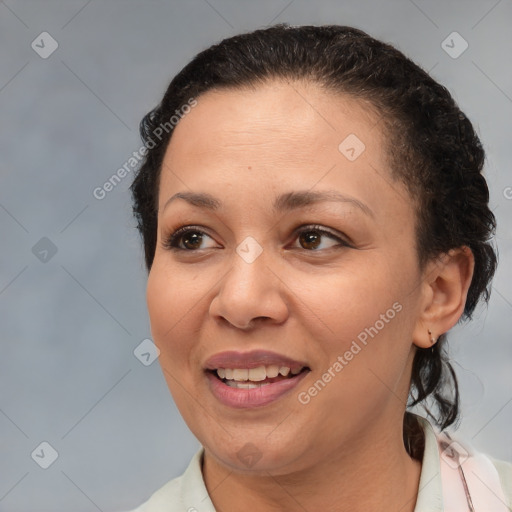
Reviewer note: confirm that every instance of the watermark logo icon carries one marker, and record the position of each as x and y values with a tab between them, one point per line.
249	454
351	147
454	454
146	352
249	249
44	455
454	45
44	250
44	45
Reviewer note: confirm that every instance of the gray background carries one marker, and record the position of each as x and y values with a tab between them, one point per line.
69	325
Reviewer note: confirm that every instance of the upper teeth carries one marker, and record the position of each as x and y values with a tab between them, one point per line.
256	374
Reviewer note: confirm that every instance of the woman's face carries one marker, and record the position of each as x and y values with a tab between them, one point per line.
299	272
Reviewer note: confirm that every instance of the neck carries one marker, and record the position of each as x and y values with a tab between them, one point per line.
376	474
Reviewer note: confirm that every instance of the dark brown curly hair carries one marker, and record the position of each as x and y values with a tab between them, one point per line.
432	149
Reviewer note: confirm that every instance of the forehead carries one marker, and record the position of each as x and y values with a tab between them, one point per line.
287	117
279	135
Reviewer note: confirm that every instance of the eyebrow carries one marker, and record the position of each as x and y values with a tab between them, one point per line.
284	202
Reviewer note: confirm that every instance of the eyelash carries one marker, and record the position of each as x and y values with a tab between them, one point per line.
173	240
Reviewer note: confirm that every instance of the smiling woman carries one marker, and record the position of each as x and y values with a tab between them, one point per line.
312	230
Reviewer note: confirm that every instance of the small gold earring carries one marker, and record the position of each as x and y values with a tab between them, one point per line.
432	339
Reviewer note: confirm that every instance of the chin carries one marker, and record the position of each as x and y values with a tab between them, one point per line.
257	455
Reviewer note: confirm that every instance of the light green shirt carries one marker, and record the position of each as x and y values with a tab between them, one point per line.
188	493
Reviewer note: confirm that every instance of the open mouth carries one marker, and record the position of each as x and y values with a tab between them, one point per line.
253	378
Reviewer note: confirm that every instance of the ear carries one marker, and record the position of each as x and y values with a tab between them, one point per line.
445	286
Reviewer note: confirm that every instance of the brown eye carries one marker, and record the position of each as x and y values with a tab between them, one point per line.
192	239
187	238
312	237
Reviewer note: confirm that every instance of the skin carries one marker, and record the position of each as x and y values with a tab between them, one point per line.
343	450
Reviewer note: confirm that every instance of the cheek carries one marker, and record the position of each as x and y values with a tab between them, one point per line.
359	314
173	308
171	302
161	302
360	372
340	304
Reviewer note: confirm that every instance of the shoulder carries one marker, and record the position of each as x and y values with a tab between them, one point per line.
165	499
186	493
488	481
504	470
465	476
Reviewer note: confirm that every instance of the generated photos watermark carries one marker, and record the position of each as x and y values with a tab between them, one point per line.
131	163
337	366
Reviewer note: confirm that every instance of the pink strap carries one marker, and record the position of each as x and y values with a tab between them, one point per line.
469	479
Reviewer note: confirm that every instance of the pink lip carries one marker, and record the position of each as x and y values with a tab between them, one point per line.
251	398
251	359
256	397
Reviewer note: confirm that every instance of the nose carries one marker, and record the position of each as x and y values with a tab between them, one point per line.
250	293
